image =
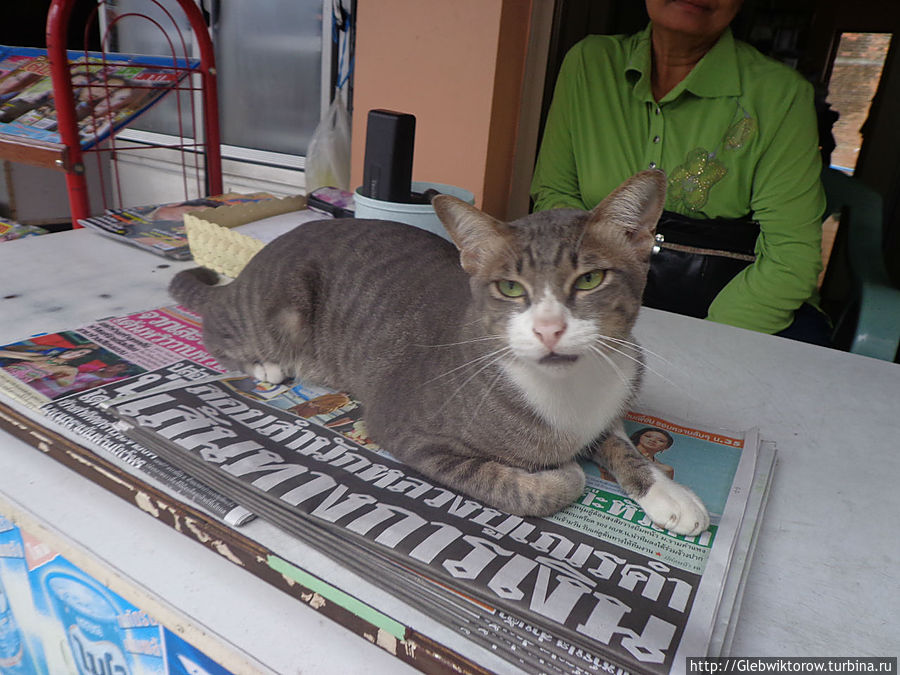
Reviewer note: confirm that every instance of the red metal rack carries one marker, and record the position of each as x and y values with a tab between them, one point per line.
69	154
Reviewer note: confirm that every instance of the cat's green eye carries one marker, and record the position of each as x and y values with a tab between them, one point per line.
590	280
510	289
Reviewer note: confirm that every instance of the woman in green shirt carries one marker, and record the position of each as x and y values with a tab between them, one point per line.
734	131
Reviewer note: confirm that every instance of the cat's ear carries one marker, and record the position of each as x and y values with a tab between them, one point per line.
478	236
634	206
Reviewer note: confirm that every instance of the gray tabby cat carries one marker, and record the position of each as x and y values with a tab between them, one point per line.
490	369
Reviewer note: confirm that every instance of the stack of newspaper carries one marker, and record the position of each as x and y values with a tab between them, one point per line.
594	588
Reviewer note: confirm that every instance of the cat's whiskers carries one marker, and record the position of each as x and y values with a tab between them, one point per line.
487	365
612	364
656	355
639	348
487	391
485	338
601	339
638	361
471	362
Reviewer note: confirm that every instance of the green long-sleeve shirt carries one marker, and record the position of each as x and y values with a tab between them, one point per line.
738	135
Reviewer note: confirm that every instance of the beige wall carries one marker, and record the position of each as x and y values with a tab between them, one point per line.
449	64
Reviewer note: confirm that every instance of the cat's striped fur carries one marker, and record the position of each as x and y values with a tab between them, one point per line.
490	368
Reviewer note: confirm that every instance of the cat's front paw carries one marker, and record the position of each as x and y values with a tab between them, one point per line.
267	372
676	508
538	493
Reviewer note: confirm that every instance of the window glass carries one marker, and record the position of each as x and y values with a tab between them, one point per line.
268	61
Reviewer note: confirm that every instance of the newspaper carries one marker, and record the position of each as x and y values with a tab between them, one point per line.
732	593
65	375
596	588
593	587
110	90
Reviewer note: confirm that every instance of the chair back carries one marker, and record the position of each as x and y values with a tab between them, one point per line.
856	291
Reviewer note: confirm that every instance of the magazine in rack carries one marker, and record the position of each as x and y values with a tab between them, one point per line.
110	90
595	588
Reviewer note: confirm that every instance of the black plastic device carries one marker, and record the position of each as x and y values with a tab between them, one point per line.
387	165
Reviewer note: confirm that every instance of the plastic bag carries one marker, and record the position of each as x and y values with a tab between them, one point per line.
328	156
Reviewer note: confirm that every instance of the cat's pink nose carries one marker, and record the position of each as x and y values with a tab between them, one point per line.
549	330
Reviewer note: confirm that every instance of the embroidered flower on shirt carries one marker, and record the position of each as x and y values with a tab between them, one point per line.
689	183
739	133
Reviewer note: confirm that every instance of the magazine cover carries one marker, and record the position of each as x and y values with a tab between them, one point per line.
10	230
159	228
11	58
26	88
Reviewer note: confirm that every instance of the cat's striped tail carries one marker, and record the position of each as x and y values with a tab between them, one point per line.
194	287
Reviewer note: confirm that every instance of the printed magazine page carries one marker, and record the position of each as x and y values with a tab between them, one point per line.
65	375
598	573
159	228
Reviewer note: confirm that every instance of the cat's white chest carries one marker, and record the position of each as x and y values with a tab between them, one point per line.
584	401
579	398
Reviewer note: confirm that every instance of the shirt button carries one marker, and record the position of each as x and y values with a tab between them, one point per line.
652	165
657	111
656	139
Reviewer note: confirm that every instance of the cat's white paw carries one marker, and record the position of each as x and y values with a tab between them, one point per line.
268	372
674	507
